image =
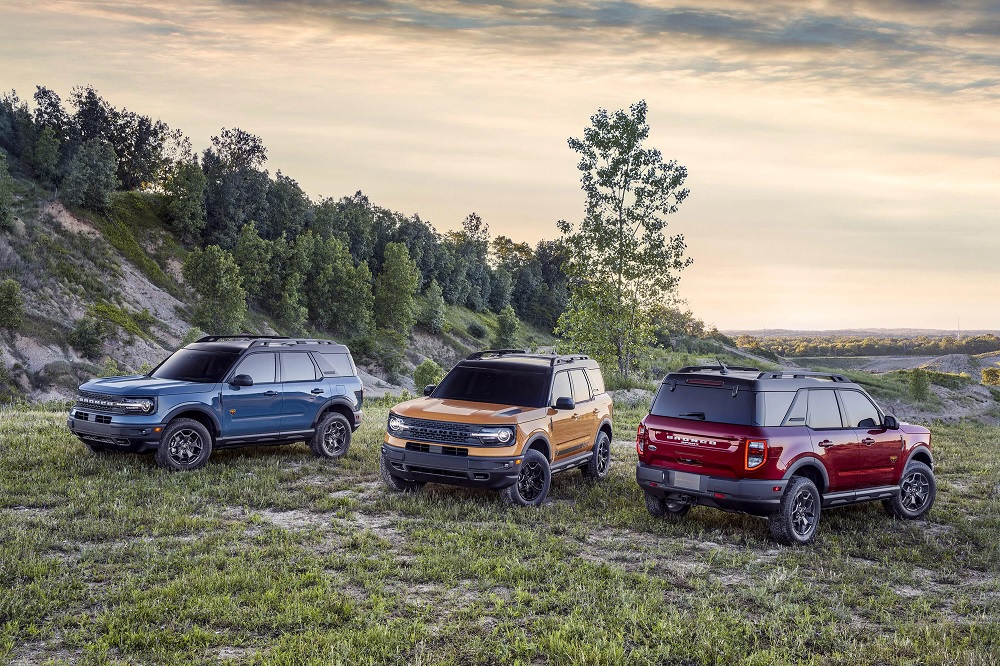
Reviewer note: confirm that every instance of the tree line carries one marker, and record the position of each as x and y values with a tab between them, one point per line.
923	345
342	264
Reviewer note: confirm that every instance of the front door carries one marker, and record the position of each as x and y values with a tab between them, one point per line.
566	427
879	449
253	411
304	391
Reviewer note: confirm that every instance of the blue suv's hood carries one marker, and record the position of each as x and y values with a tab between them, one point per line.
141	385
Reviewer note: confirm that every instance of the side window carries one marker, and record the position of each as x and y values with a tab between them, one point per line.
260	367
596	380
581	389
772	407
860	410
561	387
823	409
797	412
297	367
335	364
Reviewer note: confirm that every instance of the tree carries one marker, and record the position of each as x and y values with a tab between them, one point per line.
433	313
90	177
427	373
6	196
340	293
185	190
395	288
11	305
920	385
621	264
47	156
253	255
221	306
236	188
507	325
87	337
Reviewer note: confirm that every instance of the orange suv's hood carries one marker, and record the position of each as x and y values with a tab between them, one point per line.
461	411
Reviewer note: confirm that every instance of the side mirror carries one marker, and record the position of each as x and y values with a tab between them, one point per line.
242	380
565	403
430	389
890	423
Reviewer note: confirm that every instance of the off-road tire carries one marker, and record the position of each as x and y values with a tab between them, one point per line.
917	490
394	482
797	518
533	481
185	445
600	462
333	436
670	510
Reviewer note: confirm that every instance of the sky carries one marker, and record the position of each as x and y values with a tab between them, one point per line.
843	156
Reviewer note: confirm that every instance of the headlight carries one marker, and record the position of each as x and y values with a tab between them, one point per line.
396	424
137	405
501	436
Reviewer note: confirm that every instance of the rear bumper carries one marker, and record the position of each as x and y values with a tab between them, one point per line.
123	436
465	471
753	496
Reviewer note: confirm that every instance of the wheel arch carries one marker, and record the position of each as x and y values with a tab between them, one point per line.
203	416
541	444
920	454
606	428
339	406
811	469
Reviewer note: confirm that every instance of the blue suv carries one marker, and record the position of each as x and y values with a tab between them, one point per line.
226	391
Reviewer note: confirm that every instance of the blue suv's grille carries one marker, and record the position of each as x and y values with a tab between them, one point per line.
98	401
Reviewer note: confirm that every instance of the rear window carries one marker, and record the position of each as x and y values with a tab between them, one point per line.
335	364
191	365
501	386
596	380
719	404
772	406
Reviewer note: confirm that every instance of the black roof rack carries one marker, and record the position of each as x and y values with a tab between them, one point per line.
241	336
285	342
556	360
795	374
493	352
698	368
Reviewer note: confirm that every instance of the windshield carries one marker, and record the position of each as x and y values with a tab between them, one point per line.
188	365
501	386
723	404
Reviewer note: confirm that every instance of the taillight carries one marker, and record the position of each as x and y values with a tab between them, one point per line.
641	440
756	453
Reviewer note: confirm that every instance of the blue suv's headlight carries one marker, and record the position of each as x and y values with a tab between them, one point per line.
137	405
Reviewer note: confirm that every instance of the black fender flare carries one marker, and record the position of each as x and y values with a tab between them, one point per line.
611	428
539	437
338	400
808	461
194	407
919	448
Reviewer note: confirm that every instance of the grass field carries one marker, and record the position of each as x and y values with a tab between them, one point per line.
272	556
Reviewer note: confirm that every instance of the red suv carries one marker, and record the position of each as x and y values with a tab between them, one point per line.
778	444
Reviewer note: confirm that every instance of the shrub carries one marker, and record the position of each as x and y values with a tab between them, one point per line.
991	376
88	336
111	369
426	373
476	330
507	325
920	385
11	305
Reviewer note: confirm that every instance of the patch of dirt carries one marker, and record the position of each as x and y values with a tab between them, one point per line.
295	519
68	222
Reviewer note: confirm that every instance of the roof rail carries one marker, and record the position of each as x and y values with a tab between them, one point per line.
556	360
794	374
493	352
241	336
698	368
286	342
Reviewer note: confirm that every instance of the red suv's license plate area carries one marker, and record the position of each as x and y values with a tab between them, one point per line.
681	445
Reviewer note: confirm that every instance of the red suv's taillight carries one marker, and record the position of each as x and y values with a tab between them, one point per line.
641	439
756	453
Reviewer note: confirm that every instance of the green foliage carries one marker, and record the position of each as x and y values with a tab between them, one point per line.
845	346
47	155
477	330
185	191
6	196
222	303
90	176
621	263
395	288
193	334
340	293
112	369
87	337
507	325
253	255
991	376
11	305
501	289
920	384
137	323
432	315
427	373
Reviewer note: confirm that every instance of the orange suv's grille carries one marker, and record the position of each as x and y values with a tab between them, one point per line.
439	431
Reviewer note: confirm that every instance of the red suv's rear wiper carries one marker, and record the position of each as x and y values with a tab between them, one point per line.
698	415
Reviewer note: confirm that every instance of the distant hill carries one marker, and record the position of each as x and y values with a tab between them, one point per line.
859	333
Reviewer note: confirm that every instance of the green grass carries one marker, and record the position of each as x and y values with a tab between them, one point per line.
270	556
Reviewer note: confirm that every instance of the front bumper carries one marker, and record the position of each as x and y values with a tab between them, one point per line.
122	435
358	416
759	497
466	471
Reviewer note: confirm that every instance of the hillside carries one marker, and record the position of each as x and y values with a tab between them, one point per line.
123	269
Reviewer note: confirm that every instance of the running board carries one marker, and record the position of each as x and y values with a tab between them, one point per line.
575	461
857	496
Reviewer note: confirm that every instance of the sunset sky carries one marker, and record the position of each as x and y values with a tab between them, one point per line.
844	156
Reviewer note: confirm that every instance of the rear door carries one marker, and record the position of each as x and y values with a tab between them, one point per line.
253	411
304	391
836	444
879	449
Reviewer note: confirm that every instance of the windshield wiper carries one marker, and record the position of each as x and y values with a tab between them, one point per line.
696	415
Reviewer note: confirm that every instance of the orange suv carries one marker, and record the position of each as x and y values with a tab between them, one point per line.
502	419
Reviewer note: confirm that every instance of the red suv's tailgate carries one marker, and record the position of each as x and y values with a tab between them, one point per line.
695	446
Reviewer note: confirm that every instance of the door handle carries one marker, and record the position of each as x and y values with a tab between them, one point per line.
596	410
868	441
270	393
826	443
316	391
576	416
